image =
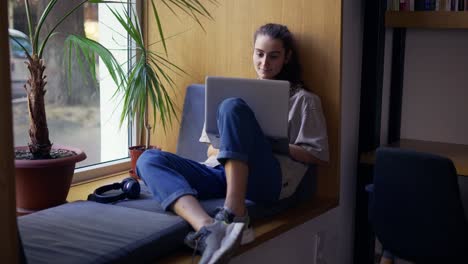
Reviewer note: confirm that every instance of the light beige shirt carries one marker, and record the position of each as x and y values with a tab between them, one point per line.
306	128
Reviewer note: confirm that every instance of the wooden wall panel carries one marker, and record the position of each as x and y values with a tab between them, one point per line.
8	227
225	48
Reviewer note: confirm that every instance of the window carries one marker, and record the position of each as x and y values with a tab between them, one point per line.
85	115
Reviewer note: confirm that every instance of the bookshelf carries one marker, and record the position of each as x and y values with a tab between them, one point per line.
376	21
427	19
458	153
430	20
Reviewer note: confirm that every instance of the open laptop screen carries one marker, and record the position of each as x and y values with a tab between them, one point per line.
268	99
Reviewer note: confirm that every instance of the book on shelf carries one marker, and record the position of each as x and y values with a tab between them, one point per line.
394	5
400	5
426	5
453	5
404	5
457	5
444	5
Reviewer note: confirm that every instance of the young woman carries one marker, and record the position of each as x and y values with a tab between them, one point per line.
245	166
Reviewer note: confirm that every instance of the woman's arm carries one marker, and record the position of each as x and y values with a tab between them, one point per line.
295	151
302	155
212	151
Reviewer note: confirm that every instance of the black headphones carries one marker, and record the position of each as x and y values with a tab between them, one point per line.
130	189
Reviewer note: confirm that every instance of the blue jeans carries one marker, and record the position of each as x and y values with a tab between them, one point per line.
170	177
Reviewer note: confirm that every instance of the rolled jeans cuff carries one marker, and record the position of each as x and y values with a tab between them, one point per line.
223	155
176	195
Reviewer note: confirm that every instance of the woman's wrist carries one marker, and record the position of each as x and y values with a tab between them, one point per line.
212	151
298	153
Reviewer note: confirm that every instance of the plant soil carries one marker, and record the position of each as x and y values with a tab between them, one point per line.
54	153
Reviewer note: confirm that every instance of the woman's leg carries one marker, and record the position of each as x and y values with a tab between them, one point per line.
251	169
190	209
237	178
176	182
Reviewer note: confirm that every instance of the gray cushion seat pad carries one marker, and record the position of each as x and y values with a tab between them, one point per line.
89	232
129	231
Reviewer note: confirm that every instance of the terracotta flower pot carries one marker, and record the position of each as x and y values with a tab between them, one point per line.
135	152
44	183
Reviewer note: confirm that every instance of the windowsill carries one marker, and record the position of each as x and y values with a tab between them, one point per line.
81	190
101	170
265	229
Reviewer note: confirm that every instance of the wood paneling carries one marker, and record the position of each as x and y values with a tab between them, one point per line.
8	228
225	48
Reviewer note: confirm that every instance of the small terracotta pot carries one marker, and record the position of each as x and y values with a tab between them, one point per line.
135	152
44	183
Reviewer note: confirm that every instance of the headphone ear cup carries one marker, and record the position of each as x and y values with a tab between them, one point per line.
131	188
126	180
100	195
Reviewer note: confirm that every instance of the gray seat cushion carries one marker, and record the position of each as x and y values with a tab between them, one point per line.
89	232
191	125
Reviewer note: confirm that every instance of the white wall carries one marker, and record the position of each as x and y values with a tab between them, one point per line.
435	87
329	238
386	87
435	91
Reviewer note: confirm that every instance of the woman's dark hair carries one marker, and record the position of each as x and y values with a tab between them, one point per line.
291	71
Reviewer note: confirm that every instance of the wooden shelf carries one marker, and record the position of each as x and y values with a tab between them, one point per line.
456	152
427	19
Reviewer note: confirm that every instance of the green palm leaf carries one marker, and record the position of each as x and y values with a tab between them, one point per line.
89	49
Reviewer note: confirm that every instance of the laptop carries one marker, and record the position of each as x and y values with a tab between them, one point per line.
268	99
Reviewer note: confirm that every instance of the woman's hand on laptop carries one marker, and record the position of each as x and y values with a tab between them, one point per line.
212	151
298	153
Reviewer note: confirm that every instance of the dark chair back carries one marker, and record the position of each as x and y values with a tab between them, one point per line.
416	210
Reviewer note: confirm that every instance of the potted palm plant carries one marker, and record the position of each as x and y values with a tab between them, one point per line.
44	171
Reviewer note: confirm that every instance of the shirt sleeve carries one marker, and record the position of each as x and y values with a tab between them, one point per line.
311	129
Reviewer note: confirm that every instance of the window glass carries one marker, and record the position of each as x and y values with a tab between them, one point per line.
84	115
17	46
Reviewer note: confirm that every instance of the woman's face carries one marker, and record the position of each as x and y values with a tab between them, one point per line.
269	57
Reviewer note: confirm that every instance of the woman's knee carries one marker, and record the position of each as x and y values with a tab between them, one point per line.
151	157
233	106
